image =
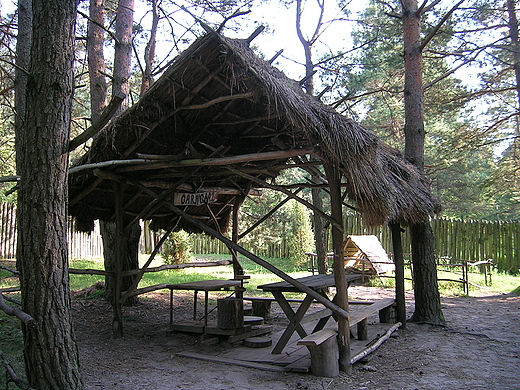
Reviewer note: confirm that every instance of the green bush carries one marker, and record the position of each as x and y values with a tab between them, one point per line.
301	239
177	248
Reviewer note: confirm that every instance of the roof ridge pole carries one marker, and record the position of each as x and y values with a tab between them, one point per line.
273	58
255	33
336	201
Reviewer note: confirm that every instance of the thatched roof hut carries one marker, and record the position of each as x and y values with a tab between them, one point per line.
222	120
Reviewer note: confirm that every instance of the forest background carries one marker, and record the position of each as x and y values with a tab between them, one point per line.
471	95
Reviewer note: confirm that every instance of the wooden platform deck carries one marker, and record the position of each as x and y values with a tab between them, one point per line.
294	357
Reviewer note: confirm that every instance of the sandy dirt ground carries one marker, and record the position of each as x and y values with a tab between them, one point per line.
478	349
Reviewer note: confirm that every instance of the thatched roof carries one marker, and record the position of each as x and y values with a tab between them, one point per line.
219	100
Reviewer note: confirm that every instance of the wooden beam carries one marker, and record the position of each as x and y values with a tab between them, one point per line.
148	164
189	188
220	99
106	115
154	204
242	158
273	210
87	190
288	193
334	177
117	320
164	267
255	33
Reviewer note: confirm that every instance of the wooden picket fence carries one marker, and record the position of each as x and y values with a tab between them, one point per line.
455	239
7	230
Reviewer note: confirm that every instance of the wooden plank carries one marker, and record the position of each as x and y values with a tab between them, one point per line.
218	359
319	337
188	326
301	300
206	285
302	365
226	332
365	312
316	316
314	282
255	331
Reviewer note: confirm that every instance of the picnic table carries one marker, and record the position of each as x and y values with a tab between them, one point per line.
202	285
317	283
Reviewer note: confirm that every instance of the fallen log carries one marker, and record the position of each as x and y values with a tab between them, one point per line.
376	345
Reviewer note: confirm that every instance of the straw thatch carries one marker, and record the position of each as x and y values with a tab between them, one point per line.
218	99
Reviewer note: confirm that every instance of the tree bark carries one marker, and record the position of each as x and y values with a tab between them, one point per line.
123	48
129	256
317	199
96	59
149	51
121	84
427	297
50	352
338	236
319	236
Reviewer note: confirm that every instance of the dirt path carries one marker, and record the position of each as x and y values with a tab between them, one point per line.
479	349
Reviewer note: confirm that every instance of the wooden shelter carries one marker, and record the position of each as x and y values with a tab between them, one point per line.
365	254
221	123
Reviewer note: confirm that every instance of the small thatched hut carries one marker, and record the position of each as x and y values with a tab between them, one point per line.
218	107
217	125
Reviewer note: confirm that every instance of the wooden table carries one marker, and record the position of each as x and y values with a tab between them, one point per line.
203	285
316	282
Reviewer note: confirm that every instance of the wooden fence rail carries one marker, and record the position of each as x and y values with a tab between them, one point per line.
468	240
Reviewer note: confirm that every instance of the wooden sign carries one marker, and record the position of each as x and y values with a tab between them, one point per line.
194	199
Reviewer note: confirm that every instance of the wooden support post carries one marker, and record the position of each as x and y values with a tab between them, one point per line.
261	309
385	315
362	330
324	358
230	313
399	273
238	271
117	321
334	178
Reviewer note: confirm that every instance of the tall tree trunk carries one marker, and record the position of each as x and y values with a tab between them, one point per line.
427	297
121	84
129	256
149	51
50	352
317	199
319	236
96	59
123	49
515	43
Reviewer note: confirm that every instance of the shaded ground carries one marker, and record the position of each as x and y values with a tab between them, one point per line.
479	349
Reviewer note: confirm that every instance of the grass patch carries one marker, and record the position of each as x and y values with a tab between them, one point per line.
11	343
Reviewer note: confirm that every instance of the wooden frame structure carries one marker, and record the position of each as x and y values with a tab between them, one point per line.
221	124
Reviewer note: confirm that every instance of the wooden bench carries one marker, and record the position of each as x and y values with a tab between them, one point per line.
323	348
261	306
322	344
359	317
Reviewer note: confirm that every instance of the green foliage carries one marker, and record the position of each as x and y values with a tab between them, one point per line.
301	238
460	134
177	248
